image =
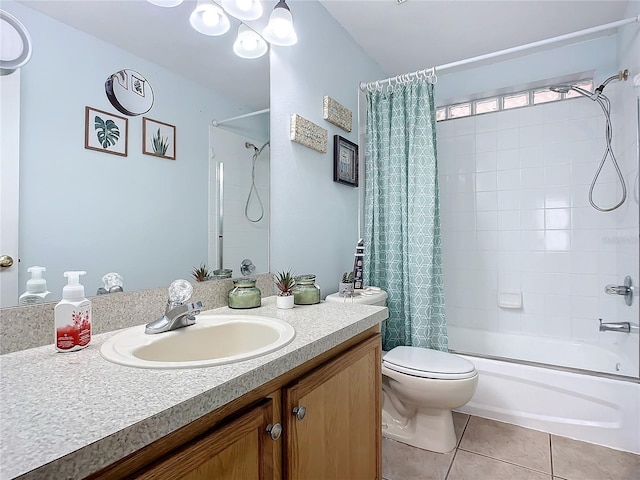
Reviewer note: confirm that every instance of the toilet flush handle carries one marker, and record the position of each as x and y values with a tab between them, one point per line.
299	412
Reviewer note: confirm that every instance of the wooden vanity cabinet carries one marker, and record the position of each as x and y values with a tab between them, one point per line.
238	450
333	426
328	409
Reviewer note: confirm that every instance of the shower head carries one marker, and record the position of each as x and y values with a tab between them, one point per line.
560	88
250	145
621	76
566	88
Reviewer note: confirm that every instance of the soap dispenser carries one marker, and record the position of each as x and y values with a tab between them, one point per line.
72	316
36	290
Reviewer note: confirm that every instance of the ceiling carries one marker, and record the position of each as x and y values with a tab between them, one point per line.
418	34
401	38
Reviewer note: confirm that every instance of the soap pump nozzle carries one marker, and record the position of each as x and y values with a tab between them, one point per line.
36	284
73	290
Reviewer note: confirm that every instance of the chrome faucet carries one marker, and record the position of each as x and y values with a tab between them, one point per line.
177	313
624	327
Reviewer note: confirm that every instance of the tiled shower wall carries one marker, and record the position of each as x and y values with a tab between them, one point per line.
516	218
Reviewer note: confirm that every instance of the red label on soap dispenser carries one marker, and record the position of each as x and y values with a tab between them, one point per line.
76	334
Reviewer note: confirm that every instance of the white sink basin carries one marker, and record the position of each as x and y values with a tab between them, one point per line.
213	340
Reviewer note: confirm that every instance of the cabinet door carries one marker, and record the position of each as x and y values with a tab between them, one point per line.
339	436
239	450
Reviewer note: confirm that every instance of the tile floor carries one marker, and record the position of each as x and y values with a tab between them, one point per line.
490	450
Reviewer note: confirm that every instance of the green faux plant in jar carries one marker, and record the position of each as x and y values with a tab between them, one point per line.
284	282
305	291
244	294
201	273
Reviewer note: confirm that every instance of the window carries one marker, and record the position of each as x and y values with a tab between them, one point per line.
508	101
514	101
486	105
460	110
544	96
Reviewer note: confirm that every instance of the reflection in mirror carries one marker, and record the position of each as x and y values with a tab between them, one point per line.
148	218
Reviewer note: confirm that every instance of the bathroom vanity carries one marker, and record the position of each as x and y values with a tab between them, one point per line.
309	410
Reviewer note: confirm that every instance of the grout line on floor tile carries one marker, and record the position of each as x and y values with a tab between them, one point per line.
452	460
551	455
504	461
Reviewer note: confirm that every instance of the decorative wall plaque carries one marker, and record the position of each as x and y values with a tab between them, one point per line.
337	114
308	134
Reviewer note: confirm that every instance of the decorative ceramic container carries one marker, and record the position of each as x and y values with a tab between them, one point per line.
245	294
284	301
305	291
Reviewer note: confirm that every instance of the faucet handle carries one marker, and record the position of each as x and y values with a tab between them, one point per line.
179	291
616	289
627	290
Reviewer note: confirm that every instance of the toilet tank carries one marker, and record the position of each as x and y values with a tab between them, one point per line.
367	296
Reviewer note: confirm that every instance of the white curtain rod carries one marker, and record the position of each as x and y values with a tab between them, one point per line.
427	71
215	123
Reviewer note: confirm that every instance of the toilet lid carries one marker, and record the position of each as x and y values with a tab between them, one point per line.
427	363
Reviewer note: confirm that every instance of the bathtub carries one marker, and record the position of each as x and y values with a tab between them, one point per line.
591	408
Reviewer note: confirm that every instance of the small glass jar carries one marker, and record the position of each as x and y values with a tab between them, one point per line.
305	291
222	273
245	294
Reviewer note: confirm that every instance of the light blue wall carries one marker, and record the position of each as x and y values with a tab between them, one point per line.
142	216
596	54
629	42
313	219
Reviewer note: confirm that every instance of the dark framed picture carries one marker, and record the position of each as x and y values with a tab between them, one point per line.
105	132
345	161
158	139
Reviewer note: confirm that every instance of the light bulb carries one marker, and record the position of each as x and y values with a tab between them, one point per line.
249	44
244	5
280	30
209	19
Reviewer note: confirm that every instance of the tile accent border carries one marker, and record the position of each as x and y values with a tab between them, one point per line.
309	134
339	115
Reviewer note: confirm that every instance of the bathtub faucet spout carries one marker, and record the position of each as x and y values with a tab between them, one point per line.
624	327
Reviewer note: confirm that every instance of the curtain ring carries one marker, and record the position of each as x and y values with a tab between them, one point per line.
434	77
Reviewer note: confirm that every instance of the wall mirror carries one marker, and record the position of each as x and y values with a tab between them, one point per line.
149	218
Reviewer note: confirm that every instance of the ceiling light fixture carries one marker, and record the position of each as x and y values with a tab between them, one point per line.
280	29
166	3
209	19
249	44
243	9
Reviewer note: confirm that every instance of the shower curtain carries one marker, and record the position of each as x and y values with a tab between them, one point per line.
402	220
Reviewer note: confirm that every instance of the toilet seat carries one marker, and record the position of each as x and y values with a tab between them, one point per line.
427	363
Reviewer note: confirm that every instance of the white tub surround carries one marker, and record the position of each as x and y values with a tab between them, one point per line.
69	415
614	354
516	219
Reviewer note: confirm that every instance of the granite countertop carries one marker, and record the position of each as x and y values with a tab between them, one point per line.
67	415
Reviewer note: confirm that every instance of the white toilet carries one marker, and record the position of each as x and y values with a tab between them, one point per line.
420	387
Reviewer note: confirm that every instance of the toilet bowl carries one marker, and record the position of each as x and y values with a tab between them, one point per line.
420	387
